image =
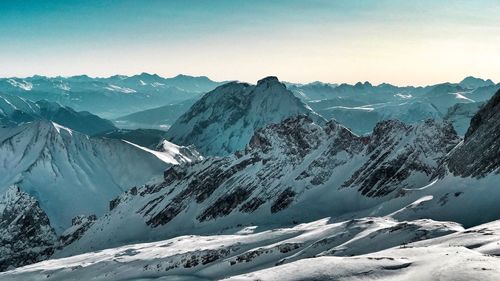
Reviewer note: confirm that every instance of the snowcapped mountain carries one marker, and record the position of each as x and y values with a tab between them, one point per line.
225	119
286	168
287	195
16	110
109	97
253	202
465	186
56	181
69	173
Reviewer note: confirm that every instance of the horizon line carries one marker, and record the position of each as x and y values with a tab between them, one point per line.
243	81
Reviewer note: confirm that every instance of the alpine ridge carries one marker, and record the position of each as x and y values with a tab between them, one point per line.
285	167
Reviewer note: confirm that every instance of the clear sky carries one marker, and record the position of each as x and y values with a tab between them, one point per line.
401	42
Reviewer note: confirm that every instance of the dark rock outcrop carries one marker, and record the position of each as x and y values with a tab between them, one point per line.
25	233
479	154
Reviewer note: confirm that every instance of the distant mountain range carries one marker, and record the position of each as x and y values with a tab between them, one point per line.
17	110
112	96
148	101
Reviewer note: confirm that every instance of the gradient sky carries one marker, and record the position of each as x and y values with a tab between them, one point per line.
401	42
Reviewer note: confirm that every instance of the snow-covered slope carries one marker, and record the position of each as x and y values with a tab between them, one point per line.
286	168
225	119
467	255
69	173
249	249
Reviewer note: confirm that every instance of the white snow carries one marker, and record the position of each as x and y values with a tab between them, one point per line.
170	154
124	90
403	96
59	128
462	97
292	253
27	86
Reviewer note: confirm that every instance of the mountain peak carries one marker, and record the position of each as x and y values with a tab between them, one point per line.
366	84
268	79
145	74
224	120
472	82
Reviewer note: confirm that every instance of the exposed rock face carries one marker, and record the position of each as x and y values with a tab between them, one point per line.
224	120
79	225
284	167
398	152
480	152
25	233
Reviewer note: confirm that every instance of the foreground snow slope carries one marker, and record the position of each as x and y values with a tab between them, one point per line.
251	248
466	255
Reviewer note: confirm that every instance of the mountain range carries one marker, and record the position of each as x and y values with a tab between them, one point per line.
253	182
109	97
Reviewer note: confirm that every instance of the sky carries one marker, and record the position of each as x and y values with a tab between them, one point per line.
400	42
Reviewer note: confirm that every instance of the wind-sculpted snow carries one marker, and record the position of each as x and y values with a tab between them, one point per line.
249	249
286	168
470	254
224	120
